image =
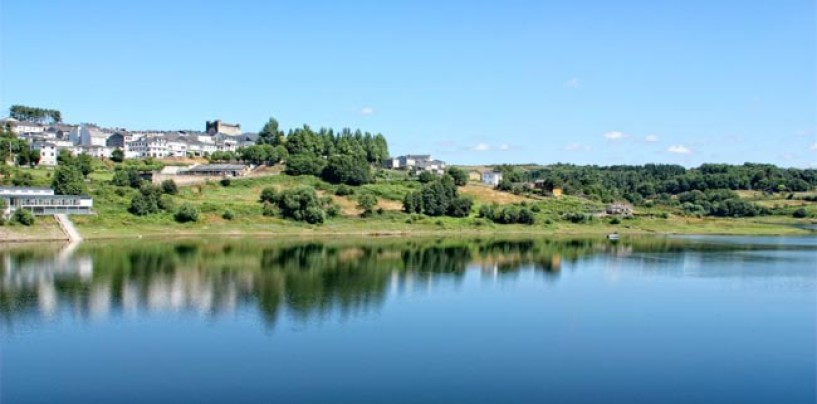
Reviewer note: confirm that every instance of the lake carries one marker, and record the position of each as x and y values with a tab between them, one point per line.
643	320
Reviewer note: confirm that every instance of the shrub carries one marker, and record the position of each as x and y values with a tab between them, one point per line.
525	216
460	207
228	215
344	190
333	210
800	213
23	216
269	209
578	217
413	203
487	211
268	194
367	202
344	169
615	220
426	177
147	201
186	213
166	203
301	204
225	182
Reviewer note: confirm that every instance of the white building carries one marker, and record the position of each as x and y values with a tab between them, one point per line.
148	146
85	135
48	152
492	178
20	127
100	152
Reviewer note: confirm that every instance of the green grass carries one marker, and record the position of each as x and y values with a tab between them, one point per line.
212	199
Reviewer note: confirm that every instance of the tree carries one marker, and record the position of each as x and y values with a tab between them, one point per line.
413	202
34	157
347	170
85	164
68	181
305	164
33	114
270	134
459	175
366	202
118	155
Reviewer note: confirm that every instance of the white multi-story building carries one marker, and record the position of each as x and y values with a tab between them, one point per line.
48	152
100	152
148	146
20	127
85	135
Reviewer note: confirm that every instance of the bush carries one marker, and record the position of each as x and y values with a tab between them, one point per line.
301	204
228	215
23	216
426	177
460	207
68	180
487	211
333	210
186	213
169	187
413	203
166	203
147	201
344	190
800	213
268	194
225	182
367	202
269	209
343	169
615	220
525	217
578	217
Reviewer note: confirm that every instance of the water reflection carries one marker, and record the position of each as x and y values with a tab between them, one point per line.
311	279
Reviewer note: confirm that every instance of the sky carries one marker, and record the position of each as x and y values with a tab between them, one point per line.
471	82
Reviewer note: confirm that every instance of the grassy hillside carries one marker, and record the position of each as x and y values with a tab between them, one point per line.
241	198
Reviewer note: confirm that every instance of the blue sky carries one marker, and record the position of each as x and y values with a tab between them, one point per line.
472	82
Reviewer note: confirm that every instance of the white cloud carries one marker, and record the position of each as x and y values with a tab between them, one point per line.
504	147
679	149
651	138
481	147
615	135
813	147
573	83
367	111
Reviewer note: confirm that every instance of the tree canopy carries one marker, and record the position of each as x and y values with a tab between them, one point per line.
34	114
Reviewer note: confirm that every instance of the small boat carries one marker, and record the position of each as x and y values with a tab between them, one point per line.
612	236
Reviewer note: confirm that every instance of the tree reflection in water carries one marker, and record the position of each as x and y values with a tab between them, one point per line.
307	279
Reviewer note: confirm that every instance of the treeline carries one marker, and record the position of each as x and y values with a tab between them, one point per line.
34	114
326	142
650	181
343	157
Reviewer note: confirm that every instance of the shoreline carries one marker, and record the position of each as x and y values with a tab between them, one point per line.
16	234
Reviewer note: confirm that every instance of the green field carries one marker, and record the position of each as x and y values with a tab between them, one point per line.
112	219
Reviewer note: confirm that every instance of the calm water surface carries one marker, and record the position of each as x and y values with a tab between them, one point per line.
702	320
